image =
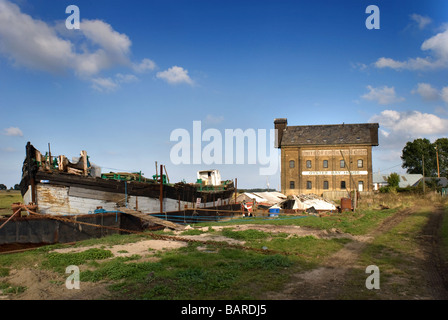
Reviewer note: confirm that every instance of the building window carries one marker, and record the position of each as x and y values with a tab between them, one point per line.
342	184
325	163
326	185
308	163
292	164
342	164
291	185
360	163
361	186
308	185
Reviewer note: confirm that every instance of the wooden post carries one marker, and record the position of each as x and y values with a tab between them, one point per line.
84	162
437	155
166	172
49	155
236	188
423	167
351	178
161	189
39	157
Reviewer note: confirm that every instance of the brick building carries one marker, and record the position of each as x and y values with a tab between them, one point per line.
323	158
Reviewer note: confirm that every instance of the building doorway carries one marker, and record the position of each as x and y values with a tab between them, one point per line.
360	185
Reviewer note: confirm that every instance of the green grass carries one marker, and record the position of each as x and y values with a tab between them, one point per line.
394	252
187	273
444	234
192	232
8	197
218	273
7	288
59	261
246	235
356	223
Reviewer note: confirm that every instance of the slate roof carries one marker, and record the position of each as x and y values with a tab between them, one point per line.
360	133
407	179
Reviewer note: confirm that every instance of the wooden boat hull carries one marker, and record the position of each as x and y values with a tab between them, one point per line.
63	193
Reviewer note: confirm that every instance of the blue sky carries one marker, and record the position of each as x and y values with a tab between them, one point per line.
137	70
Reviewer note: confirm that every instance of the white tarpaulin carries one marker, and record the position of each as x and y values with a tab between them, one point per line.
306	201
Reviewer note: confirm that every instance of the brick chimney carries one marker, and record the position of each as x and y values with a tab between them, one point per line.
280	125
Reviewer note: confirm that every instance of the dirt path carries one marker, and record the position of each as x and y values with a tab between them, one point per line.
435	269
328	281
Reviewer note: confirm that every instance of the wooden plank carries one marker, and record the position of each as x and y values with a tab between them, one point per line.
95	194
152	219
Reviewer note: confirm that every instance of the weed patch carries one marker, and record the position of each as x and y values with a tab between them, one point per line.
59	261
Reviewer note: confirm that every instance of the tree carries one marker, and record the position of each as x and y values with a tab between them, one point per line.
393	180
442	149
3	187
16	187
417	151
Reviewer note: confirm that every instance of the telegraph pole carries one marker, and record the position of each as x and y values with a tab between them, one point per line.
423	167
437	154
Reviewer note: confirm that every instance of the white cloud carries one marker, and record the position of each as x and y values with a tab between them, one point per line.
36	44
444	94
358	65
397	128
389	63
437	46
113	48
104	84
110	84
421	21
413	122
125	78
426	91
87	52
441	110
145	65
384	95
32	43
175	75
13	132
430	93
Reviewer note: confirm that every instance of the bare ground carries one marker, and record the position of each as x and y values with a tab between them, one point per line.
325	282
329	281
49	285
436	269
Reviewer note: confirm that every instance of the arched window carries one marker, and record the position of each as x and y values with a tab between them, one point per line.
292	164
